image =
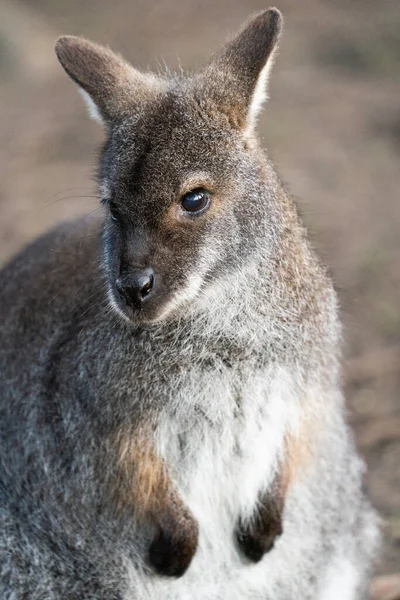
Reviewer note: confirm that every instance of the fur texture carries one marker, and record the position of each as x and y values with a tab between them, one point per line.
194	447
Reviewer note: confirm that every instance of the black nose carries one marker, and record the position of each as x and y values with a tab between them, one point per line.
135	287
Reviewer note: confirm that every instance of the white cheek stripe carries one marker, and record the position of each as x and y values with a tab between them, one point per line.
190	291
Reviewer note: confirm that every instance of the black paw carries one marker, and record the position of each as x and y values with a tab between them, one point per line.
171	554
257	539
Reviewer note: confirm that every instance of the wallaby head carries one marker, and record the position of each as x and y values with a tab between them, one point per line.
184	181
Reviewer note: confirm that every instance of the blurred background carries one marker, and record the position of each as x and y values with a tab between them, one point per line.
332	127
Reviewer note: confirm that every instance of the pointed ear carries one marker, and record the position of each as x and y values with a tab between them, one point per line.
237	77
111	86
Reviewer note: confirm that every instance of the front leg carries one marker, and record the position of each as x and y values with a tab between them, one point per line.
257	536
145	487
175	542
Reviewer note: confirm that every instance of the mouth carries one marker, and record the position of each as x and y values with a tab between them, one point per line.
144	303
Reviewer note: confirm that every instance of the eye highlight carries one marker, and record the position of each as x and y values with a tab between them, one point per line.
196	201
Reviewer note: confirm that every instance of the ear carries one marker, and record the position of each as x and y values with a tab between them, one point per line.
237	77
111	87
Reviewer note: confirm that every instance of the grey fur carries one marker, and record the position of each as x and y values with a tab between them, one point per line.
240	342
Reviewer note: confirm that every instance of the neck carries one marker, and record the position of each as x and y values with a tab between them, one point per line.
273	308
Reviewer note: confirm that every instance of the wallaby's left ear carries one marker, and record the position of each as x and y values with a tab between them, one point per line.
237	76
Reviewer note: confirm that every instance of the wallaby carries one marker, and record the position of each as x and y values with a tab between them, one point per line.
172	424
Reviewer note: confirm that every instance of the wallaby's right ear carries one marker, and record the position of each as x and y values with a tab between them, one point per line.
111	86
237	76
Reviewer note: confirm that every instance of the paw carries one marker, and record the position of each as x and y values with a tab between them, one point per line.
171	552
256	539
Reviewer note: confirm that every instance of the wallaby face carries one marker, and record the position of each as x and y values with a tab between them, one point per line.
180	172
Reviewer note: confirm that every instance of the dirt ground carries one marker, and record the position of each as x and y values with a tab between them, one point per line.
332	127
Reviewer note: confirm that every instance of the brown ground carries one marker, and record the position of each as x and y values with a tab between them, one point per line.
332	127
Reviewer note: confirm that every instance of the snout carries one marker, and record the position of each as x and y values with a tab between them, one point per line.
136	287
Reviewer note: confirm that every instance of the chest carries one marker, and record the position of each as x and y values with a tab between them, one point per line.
222	438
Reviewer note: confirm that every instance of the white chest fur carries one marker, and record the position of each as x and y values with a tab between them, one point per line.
223	444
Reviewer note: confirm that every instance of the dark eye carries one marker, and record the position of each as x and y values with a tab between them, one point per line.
196	201
114	212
